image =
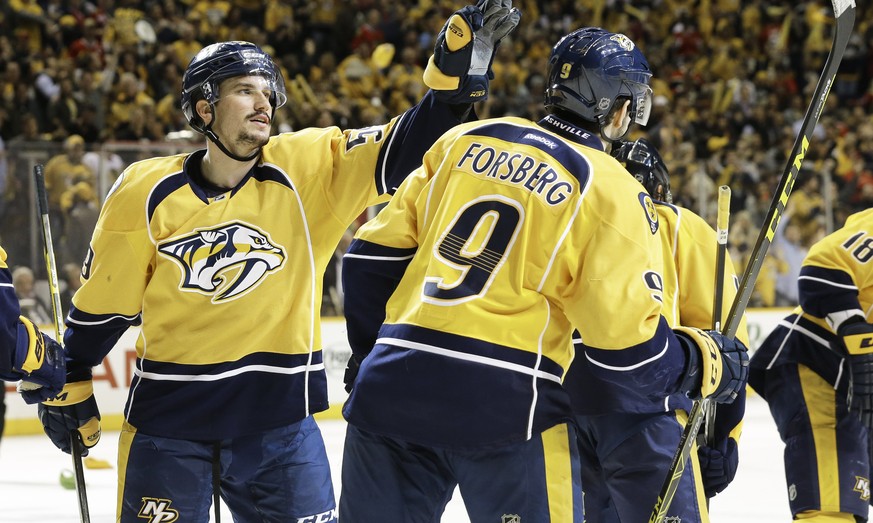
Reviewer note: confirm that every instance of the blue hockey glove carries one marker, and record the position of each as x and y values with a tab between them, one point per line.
855	343
352	368
717	367
73	409
718	465
39	361
460	67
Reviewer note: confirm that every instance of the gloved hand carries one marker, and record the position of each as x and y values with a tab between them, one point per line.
717	367
460	67
855	342
351	372
718	465
39	361
73	409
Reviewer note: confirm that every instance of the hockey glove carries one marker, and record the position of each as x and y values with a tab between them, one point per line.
352	368
717	367
460	67
40	361
73	409
718	465
855	342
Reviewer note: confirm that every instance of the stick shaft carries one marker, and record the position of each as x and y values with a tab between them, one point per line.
721	231
48	251
51	268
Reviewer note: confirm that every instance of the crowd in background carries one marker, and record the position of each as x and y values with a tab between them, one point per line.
732	81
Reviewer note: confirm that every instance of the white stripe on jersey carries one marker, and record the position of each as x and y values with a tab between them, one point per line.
469	357
229	374
828	282
383	258
630	367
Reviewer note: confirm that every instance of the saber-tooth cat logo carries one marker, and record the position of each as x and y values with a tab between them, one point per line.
157	510
226	261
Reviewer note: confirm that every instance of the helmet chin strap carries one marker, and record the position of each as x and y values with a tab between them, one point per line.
207	130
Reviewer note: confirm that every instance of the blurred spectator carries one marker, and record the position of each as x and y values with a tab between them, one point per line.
806	206
80	207
63	171
63	110
789	251
89	45
4	165
70	281
105	165
29	20
130	95
32	306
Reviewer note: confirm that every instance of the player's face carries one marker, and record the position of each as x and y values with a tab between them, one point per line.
243	114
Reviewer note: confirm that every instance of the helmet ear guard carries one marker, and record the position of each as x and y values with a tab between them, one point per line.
591	70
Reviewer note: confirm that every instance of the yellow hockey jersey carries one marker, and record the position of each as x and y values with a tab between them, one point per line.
836	281
510	234
228	286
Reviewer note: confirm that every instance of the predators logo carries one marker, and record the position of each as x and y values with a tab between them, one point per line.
225	261
651	212
157	510
625	42
862	486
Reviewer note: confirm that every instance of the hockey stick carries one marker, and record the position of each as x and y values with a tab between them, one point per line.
844	13
721	229
51	267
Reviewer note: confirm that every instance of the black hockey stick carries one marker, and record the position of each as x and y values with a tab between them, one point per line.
51	267
844	13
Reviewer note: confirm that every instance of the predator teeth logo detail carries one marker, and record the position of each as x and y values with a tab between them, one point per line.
510	518
862	485
157	510
651	213
226	261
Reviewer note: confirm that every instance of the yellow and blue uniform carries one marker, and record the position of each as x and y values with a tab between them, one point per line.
806	383
227	286
644	430
165	245
461	297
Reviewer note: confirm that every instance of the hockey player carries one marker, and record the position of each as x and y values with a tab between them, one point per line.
220	256
815	370
462	294
644	431
25	352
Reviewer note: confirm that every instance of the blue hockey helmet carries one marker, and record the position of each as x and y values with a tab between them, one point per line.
221	61
643	161
591	69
